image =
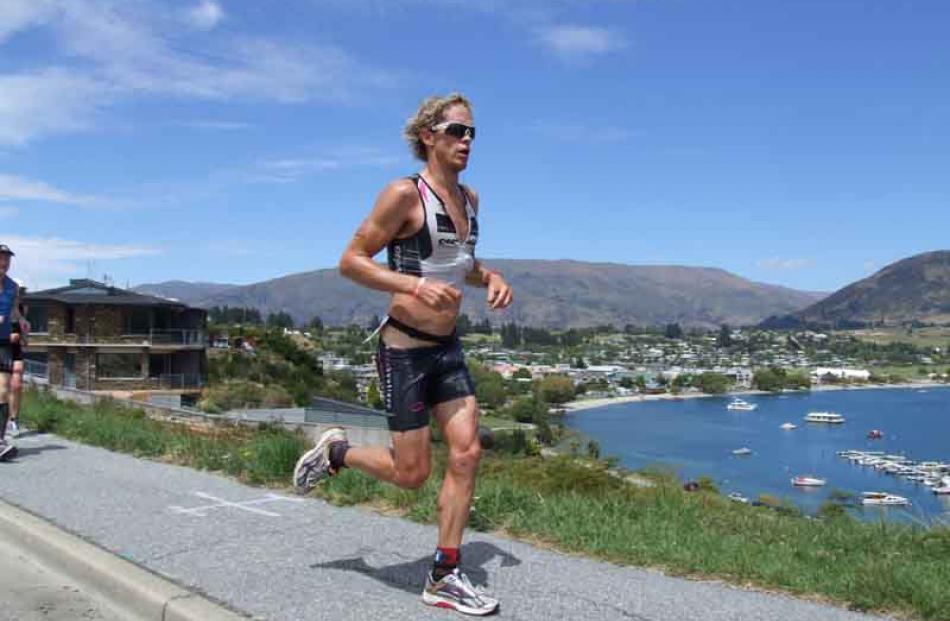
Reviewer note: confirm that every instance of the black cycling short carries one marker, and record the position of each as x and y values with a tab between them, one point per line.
6	357
412	381
16	350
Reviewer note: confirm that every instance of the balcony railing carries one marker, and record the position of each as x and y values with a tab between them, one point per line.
166	381
178	381
183	336
36	369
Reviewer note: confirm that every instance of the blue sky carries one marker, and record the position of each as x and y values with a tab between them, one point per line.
803	143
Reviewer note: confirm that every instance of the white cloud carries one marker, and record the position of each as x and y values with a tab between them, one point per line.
212	124
41	263
573	42
285	170
106	50
18	188
777	263
16	15
54	100
205	15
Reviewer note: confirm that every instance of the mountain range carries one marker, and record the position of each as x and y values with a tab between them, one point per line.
554	294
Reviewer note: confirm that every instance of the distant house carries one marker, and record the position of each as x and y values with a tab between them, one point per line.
92	336
859	375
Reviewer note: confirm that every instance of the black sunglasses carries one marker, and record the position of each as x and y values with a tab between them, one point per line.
456	130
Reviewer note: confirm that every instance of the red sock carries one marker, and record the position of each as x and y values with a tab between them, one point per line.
446	560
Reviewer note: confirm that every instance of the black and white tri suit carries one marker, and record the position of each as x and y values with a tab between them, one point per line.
412	381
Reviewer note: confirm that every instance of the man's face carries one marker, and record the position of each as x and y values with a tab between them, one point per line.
448	149
4	263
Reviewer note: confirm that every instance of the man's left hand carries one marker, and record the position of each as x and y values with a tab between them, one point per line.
500	294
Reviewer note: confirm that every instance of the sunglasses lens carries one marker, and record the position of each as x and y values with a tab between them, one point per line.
458	130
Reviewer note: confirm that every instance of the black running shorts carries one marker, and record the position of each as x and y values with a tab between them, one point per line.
16	352
412	381
6	357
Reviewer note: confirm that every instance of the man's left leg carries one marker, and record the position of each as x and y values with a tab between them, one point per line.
7	451
16	397
446	586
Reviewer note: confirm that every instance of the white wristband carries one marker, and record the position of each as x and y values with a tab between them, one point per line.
419	284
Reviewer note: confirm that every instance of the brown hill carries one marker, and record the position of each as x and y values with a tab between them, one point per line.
548	293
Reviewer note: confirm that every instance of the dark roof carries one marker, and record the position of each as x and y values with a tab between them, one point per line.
330	411
83	291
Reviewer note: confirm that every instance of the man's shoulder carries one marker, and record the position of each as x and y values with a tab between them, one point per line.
401	190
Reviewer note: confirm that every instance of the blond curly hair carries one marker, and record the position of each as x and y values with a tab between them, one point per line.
429	114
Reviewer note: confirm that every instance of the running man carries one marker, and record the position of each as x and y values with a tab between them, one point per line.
9	313
428	222
18	341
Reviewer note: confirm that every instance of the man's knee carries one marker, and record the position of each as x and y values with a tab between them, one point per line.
414	477
465	458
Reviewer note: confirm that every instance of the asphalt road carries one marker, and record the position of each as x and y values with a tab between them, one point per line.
279	557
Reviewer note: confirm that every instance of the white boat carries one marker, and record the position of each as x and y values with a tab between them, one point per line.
943	491
803	481
742	451
788	426
737	497
883	498
739	405
824	417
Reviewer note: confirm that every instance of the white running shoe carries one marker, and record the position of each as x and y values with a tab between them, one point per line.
7	450
314	465
456	592
13	429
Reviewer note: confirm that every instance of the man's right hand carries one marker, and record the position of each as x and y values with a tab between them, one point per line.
438	294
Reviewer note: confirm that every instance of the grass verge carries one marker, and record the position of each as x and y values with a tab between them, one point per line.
577	506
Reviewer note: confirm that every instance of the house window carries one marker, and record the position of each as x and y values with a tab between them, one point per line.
38	316
138	321
118	366
70	321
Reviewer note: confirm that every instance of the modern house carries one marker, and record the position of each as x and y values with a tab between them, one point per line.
91	336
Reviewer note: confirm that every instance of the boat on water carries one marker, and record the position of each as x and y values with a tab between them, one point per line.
804	481
830	418
884	499
942	491
737	497
742	451
738	405
875	434
788	426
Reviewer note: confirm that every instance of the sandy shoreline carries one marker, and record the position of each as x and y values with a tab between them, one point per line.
590	404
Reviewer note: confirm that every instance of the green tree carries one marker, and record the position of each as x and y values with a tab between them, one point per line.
713	383
674	331
771	379
280	320
315	324
373	397
489	386
521	373
593	449
725	336
557	389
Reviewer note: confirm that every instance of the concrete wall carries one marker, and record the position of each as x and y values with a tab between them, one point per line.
194	418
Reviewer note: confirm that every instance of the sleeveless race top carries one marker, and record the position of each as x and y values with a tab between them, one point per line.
7	298
435	250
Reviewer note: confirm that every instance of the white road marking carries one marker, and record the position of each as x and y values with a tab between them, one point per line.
246	505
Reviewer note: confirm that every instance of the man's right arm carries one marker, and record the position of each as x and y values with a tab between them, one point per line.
389	215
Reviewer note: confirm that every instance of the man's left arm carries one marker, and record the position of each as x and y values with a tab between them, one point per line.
500	294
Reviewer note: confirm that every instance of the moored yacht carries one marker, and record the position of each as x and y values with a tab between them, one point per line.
738	405
824	417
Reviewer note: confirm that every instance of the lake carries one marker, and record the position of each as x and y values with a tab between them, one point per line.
696	437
